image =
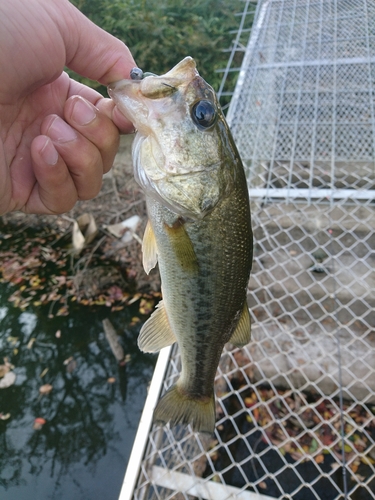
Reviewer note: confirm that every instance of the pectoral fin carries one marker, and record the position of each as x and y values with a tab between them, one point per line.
149	251
183	246
242	333
156	333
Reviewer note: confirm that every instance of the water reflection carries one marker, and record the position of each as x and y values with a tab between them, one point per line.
82	449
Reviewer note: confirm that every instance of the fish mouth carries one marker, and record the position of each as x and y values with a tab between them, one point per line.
130	95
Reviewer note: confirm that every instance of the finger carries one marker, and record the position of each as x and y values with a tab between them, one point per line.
94	126
54	192
91	51
80	155
108	107
121	122
5	182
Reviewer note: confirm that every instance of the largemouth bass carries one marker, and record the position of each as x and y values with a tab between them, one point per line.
199	231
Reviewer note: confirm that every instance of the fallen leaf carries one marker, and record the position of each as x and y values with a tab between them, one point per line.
38	423
84	231
113	340
126	360
249	402
43	372
63	311
45	389
31	342
134	298
4	369
7	380
71	365
134	320
146	306
12	340
367	460
125	229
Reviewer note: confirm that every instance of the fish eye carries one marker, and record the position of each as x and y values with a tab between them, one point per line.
204	114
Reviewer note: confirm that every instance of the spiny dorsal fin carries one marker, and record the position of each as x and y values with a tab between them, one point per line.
182	245
149	251
242	333
156	333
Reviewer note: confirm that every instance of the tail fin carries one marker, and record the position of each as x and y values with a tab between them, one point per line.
178	408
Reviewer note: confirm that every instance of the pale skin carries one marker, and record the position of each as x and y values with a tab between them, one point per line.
57	136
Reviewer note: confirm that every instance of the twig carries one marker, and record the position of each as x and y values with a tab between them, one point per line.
90	255
115	189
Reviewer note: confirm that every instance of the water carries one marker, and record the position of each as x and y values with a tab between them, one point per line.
82	450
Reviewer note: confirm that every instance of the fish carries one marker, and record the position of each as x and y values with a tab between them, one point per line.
198	231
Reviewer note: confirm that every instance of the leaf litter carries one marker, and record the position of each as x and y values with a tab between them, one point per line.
38	258
302	426
58	270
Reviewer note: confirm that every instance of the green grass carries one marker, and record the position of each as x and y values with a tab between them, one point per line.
160	33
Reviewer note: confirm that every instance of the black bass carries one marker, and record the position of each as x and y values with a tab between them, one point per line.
199	231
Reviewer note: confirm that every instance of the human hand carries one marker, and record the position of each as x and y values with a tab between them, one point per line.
57	136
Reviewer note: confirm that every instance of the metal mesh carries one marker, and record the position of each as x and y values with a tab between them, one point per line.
296	406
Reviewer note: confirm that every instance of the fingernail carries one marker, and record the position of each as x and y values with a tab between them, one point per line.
83	112
59	131
49	153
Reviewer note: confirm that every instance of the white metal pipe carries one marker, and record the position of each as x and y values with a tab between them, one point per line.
136	456
293	193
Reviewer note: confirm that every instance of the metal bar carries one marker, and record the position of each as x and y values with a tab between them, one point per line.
335	194
318	62
205	490
235	44
136	456
296	121
255	33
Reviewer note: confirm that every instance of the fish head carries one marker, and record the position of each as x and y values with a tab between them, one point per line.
182	154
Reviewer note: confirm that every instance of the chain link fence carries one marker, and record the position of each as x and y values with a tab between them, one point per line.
296	407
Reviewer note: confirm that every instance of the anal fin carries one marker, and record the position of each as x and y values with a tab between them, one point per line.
242	334
149	251
156	333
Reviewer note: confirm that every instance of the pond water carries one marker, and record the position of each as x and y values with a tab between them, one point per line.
91	414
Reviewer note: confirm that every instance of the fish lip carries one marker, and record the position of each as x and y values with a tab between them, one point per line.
131	95
125	94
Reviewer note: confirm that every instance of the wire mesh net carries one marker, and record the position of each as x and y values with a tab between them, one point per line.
296	410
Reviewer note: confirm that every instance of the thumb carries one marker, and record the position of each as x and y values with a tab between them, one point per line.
91	51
